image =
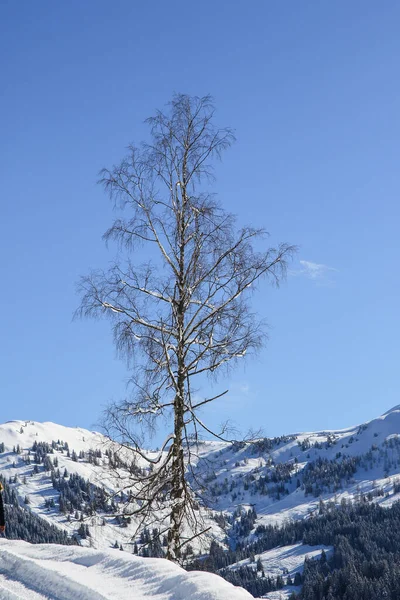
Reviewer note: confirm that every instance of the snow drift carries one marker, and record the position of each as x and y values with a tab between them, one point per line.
51	572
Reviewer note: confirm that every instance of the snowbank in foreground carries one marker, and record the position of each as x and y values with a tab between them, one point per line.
51	572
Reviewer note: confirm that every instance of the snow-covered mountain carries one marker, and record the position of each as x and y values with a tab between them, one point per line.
247	486
286	477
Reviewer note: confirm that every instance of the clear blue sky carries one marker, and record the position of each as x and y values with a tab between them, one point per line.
313	92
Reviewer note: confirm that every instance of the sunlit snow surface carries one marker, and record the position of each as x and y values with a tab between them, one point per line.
51	572
285	561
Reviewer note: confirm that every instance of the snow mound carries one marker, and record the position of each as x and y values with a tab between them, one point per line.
51	572
25	433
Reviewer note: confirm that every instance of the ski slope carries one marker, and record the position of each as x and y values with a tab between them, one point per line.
51	572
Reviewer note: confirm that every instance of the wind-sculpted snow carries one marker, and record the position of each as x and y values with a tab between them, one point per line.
51	572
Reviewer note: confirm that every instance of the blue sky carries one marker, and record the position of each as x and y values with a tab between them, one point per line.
312	90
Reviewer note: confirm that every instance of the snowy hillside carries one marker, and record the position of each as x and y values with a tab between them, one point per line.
286	477
51	572
62	474
283	478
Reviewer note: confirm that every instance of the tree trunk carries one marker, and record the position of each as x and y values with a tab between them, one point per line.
178	473
178	466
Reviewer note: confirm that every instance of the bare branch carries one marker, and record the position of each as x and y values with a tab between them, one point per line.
184	312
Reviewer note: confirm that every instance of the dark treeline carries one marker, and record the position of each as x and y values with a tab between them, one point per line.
21	524
365	564
366	561
253	581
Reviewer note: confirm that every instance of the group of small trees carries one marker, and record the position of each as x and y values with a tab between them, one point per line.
23	524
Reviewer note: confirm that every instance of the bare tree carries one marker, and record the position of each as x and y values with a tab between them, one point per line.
183	313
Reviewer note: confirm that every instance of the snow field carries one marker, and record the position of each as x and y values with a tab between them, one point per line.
285	560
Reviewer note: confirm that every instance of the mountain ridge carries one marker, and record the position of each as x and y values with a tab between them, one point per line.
52	469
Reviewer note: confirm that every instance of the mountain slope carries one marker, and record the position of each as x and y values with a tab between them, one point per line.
60	474
283	478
